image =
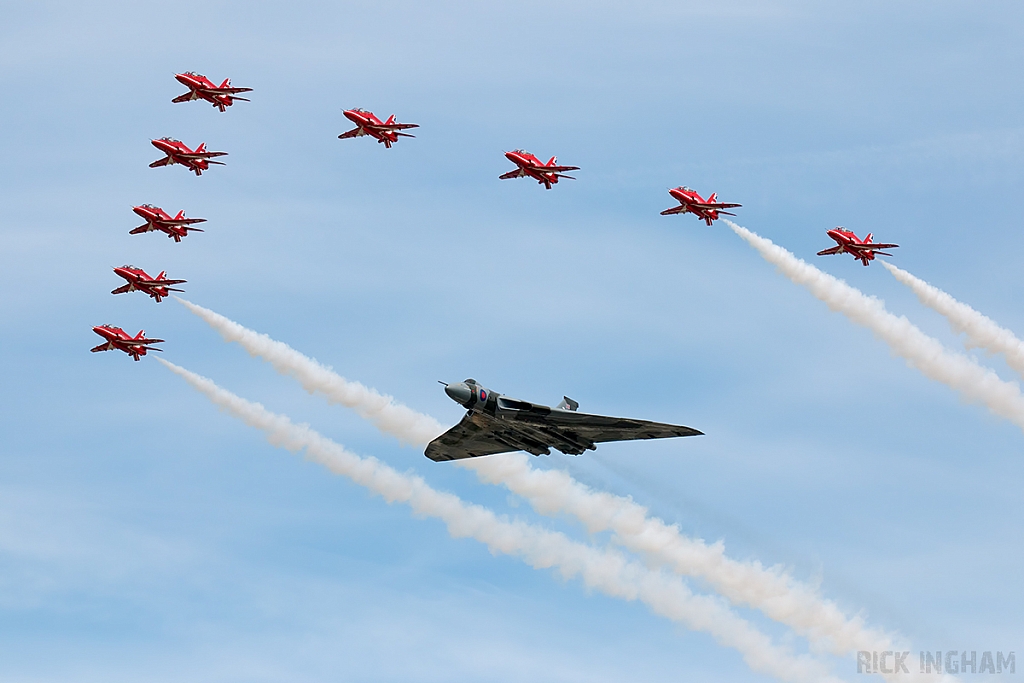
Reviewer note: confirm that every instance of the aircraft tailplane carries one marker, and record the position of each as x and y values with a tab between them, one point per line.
567	404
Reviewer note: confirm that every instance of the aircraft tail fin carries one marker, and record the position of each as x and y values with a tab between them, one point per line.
869	236
226	83
181	214
567	404
391	119
201	147
552	160
713	198
161	276
141	334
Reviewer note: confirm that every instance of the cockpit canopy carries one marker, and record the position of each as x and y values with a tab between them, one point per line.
171	140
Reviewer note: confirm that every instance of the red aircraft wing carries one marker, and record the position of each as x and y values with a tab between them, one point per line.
231	91
162	283
871	246
201	155
715	207
556	169
395	126
829	252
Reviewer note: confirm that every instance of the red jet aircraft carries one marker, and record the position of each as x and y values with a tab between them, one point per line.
140	281
202	88
530	166
119	340
382	131
863	249
197	160
158	220
690	202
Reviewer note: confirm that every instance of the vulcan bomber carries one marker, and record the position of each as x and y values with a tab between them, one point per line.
501	424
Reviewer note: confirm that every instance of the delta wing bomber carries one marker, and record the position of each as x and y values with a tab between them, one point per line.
501	424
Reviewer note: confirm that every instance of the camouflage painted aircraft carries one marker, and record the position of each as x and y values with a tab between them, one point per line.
501	424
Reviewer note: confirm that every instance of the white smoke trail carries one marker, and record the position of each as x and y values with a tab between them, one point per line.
770	590
605	570
982	332
389	416
926	354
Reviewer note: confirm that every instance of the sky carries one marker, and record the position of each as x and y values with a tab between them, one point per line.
144	534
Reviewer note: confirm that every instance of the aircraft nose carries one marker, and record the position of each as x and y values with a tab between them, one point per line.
459	392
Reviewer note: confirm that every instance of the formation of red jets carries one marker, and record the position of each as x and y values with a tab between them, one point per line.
387	133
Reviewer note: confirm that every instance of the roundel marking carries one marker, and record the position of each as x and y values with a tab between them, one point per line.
483	394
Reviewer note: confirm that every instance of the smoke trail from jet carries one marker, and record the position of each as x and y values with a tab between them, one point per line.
926	354
383	411
605	570
982	332
550	492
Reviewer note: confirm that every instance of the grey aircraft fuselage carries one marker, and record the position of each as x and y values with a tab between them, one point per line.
500	424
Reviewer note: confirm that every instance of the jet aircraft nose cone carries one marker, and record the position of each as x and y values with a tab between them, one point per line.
459	392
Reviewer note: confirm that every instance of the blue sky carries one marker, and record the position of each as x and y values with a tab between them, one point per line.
144	534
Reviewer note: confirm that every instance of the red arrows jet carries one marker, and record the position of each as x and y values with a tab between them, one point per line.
382	131
158	219
197	160
118	340
530	166
863	249
690	202
140	281
202	88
